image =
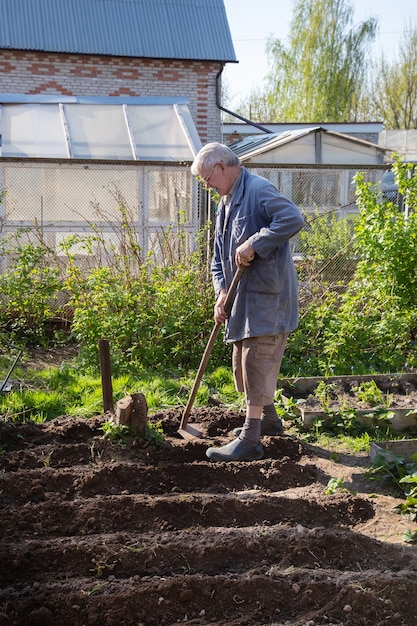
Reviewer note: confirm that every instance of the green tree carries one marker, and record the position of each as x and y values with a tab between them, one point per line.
319	75
394	92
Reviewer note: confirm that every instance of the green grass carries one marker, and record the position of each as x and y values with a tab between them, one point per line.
47	393
66	390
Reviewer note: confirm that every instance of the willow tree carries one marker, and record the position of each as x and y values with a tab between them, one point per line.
319	75
395	85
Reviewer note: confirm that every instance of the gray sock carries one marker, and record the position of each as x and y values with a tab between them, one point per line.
251	432
269	413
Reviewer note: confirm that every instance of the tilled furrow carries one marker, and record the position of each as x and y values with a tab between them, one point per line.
167	554
40	484
259	596
108	514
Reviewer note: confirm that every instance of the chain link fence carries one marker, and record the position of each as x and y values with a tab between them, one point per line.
55	201
324	250
166	210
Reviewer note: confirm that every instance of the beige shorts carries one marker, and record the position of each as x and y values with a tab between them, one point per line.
256	363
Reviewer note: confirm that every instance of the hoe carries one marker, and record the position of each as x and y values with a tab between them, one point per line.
189	431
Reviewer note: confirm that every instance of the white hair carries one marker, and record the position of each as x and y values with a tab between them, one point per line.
210	155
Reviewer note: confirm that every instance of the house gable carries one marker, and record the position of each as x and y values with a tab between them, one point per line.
314	145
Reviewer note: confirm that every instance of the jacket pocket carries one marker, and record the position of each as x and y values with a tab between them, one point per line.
263	277
240	229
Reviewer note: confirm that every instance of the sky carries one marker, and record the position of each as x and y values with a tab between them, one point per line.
252	22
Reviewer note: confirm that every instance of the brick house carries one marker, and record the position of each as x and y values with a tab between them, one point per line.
118	48
103	101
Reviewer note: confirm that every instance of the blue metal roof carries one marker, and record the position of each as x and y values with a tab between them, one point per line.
164	29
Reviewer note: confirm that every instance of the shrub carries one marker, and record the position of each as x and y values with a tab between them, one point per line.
371	324
160	319
28	291
158	315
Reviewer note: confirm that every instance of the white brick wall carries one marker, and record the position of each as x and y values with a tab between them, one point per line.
83	75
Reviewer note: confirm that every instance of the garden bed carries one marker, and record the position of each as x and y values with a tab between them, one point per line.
391	397
97	533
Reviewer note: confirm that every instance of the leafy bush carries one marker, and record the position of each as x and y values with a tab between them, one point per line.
28	291
158	315
371	325
158	319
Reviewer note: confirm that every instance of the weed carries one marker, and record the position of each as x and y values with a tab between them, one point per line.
46	459
324	393
369	393
101	567
334	485
317	427
117	433
288	408
154	434
96	455
409	536
397	471
96	588
122	434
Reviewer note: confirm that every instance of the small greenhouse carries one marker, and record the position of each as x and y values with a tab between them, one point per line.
73	164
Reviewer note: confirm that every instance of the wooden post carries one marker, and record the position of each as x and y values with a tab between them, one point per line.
106	384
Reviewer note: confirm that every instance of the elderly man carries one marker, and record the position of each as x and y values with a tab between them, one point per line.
253	228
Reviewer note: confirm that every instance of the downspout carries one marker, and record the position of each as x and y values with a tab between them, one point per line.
219	106
317	147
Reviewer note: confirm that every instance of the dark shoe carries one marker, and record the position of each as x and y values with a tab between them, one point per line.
236	450
267	428
272	428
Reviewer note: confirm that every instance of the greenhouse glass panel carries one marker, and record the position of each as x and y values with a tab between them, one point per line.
115	129
158	133
169	192
50	194
98	132
33	130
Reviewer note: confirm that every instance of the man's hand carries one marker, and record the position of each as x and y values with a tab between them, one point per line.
244	254
220	315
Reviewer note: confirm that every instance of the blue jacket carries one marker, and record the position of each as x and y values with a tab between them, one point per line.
266	301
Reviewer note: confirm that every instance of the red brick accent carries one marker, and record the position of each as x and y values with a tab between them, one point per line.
23	71
128	73
124	91
169	75
43	68
85	71
6	67
51	87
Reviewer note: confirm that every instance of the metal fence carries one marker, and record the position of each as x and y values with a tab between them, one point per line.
324	250
164	205
55	200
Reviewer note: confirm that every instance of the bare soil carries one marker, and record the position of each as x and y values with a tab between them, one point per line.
94	533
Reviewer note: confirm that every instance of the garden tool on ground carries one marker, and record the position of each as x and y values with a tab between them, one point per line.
5	386
189	431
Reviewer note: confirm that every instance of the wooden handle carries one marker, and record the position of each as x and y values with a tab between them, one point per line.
213	336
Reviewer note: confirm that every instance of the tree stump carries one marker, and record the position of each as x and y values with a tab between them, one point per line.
132	411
